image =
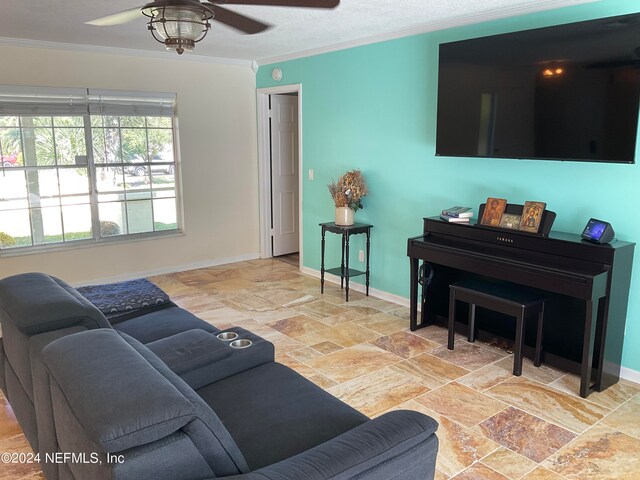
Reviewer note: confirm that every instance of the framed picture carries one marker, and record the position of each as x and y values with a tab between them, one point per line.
509	220
493	210
532	216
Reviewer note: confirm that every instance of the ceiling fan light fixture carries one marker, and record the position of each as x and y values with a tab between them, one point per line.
179	25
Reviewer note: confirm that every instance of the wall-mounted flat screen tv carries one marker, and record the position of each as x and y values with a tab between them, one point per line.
568	92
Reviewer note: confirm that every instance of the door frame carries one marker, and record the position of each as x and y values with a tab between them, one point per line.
264	160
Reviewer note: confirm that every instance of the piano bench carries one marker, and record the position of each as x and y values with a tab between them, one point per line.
515	302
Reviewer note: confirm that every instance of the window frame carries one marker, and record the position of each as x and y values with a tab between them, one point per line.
97	237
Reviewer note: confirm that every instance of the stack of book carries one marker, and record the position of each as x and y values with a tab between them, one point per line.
457	214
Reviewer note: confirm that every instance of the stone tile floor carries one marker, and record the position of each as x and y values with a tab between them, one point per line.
492	425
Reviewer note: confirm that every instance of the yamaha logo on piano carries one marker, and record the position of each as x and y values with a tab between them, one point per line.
504	239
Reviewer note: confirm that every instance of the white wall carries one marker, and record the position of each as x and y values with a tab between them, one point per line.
217	130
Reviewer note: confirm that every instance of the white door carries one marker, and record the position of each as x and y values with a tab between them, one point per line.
284	174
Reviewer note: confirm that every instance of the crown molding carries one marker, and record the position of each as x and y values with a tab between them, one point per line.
130	52
429	27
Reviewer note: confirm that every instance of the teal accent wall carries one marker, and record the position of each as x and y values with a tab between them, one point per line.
374	108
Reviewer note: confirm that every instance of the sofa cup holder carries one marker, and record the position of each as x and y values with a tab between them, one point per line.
241	343
227	336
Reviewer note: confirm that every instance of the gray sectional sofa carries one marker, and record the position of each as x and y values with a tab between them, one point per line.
157	395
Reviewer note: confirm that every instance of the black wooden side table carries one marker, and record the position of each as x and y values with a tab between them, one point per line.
343	270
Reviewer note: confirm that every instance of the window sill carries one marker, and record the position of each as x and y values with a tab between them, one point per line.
79	244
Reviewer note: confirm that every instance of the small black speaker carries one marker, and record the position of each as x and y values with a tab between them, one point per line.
598	231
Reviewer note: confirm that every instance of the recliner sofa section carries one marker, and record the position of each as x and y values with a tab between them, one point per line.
265	423
36	309
161	394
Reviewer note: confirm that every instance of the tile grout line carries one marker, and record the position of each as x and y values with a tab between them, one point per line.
527	412
554	422
568	445
600	421
553	388
579	398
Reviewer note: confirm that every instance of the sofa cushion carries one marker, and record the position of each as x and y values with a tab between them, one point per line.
37	303
118	301
207	432
117	397
162	323
274	413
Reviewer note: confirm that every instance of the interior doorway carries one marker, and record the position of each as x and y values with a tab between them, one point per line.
280	161
285	173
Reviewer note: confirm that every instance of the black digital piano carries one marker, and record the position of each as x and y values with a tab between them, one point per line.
585	285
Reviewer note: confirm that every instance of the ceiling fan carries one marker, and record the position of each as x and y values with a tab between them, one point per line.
180	24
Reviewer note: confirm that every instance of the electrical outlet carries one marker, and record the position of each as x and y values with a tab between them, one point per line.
311	174
361	255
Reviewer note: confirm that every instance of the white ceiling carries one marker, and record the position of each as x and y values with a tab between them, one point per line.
296	30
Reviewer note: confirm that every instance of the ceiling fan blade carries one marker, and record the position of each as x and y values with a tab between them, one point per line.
235	20
284	3
116	18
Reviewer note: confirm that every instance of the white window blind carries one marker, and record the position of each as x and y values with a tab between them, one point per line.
112	102
20	100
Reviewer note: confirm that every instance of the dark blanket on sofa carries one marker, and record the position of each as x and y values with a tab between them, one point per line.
118	300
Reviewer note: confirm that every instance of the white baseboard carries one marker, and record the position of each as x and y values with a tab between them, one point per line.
173	269
626	373
630	374
374	292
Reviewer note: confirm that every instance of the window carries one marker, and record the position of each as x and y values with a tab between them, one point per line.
85	166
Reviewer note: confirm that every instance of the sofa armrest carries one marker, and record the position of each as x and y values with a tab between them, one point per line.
399	445
190	350
200	358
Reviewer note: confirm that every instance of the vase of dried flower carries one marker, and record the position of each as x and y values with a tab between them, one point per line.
344	216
